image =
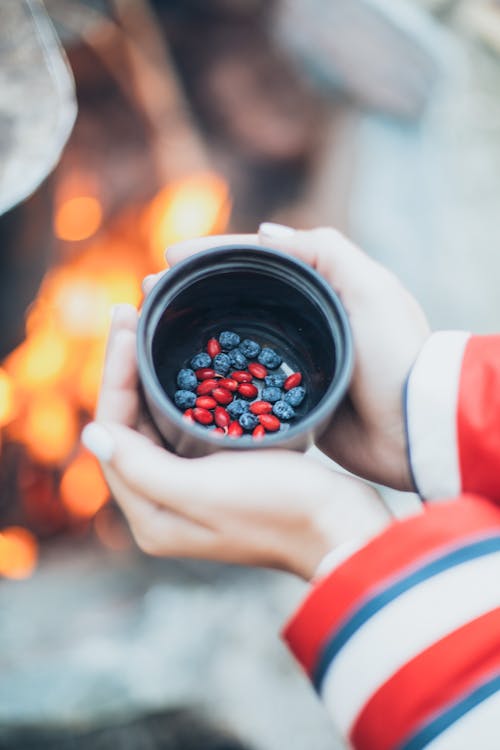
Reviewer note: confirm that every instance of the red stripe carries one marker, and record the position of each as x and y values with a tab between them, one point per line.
425	686
402	544
479	417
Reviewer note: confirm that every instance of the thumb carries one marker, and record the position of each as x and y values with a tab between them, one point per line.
347	268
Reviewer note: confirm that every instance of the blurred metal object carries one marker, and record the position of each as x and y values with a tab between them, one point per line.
386	54
37	99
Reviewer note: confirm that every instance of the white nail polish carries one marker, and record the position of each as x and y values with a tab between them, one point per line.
98	441
276	231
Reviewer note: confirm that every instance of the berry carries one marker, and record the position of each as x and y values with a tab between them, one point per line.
283	410
269	422
229	383
271	394
250	348
237	408
222	363
248	390
202	359
248	421
258	371
206	402
222	396
206	387
203	416
269	358
261	407
204	373
292	381
188	415
259	432
186	380
213	348
222	418
276	380
184	399
229	340
238	359
241	376
218	432
295	396
235	430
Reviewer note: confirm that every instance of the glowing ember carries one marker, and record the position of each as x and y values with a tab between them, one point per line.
192	207
83	490
18	552
77	218
7	405
50	427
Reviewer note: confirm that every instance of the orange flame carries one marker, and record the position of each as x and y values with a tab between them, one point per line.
18	552
78	218
7	402
83	489
50	428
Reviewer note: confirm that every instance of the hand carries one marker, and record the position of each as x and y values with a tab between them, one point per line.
269	508
367	434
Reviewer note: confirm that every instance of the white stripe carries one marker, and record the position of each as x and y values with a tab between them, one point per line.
405	627
478	728
431	412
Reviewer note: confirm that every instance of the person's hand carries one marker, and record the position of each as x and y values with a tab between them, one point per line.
269	508
367	435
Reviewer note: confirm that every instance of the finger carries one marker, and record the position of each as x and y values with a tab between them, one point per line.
339	261
182	250
119	396
149	282
123	316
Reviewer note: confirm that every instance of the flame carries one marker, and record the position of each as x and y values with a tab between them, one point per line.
191	207
77	218
50	427
18	552
7	402
83	489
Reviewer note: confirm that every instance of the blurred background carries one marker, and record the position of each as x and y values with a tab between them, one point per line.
126	125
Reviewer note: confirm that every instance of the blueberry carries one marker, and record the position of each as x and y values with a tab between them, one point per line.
229	340
276	380
250	348
187	380
238	359
222	363
248	421
237	407
295	396
184	399
271	394
269	358
201	360
283	410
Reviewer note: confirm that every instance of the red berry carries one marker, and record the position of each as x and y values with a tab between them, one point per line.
235	430
222	396
241	376
261	407
206	387
204	373
206	402
247	390
292	381
222	418
188	415
203	416
269	422
257	370
213	348
218	432
259	432
229	383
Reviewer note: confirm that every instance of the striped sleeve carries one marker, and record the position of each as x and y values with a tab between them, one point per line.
453	416
402	639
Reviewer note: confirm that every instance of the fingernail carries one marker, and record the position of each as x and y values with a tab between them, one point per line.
146	280
98	441
275	231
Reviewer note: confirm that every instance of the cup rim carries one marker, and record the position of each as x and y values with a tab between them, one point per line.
327	404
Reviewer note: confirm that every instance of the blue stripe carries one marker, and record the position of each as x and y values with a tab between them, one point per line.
377	602
439	725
